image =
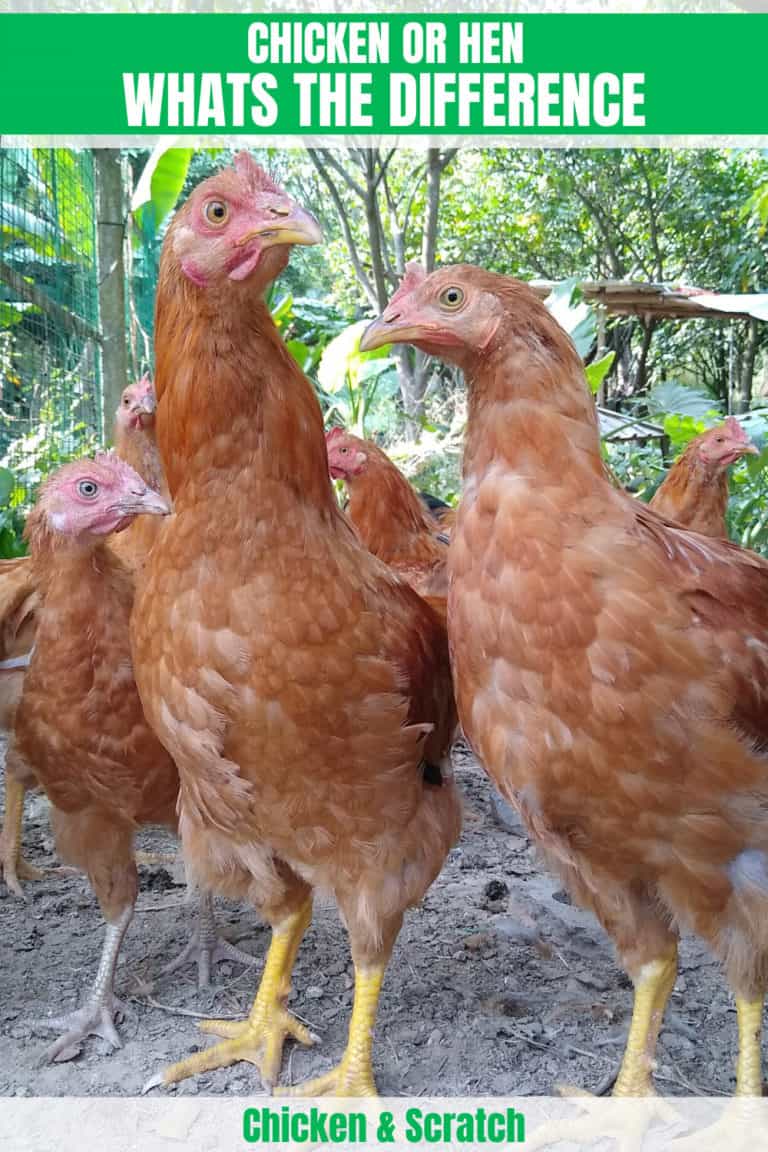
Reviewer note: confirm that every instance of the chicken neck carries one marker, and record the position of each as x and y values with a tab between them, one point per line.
233	406
390	517
138	447
530	413
696	494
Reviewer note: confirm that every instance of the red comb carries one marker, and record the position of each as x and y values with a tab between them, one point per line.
259	180
333	434
736	430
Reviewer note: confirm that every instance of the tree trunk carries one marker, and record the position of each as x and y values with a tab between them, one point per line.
111	231
431	209
638	385
743	394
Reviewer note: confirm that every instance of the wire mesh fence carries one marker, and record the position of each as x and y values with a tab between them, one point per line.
50	386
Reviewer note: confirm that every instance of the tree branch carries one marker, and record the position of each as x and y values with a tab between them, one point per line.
346	228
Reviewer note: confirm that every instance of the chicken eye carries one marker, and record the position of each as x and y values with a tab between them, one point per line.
343	451
88	489
216	212
452	297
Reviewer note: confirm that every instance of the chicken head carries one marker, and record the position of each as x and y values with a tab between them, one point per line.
94	498
236	222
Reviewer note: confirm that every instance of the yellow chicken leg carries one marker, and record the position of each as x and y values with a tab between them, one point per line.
749	1067
354	1075
13	866
258	1039
653	988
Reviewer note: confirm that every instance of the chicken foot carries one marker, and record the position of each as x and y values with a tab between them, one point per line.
354	1075
207	946
742	1122
13	867
628	1126
97	1015
258	1039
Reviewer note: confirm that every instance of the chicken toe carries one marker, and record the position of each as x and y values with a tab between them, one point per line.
259	1039
624	1123
206	947
740	1127
95	1018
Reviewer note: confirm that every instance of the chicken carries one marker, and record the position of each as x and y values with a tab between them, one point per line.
301	688
694	492
79	729
611	668
135	442
19	603
388	514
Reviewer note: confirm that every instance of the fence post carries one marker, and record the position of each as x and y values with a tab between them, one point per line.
111	234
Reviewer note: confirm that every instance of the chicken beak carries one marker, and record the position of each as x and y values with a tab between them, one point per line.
750	449
387	330
146	503
292	225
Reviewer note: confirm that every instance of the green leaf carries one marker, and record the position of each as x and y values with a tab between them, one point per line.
576	317
7	485
281	312
301	353
161	181
671	397
597	371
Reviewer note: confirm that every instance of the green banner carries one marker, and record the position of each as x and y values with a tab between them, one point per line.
459	74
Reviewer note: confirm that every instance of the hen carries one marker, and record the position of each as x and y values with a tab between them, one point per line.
79	729
136	443
389	516
303	691
611	668
19	602
695	490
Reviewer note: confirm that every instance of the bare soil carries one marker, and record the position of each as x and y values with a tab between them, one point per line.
498	986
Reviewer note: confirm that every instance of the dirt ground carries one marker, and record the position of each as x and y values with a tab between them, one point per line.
497	986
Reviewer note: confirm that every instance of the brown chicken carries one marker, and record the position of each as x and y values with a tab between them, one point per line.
303	691
611	668
79	729
19	602
135	443
694	492
390	519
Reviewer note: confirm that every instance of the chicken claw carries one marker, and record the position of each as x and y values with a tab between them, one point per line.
259	1039
354	1075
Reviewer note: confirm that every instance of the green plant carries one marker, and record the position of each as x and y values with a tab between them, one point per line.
356	385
